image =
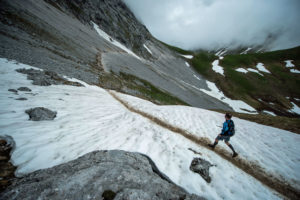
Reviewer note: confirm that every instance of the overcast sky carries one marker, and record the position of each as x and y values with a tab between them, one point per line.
210	24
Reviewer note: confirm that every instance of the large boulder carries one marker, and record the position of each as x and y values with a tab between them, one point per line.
98	175
201	167
40	113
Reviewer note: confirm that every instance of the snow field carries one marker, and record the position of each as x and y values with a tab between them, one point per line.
295	71
262	68
273	149
89	118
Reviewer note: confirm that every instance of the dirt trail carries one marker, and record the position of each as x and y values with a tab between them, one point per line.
251	168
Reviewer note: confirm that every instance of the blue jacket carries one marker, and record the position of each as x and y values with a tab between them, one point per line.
225	127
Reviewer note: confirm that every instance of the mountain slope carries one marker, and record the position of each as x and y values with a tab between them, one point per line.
89	118
61	36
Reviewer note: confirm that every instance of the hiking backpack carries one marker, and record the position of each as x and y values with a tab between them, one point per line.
231	129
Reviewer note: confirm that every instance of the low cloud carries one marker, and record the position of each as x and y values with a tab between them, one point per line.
212	24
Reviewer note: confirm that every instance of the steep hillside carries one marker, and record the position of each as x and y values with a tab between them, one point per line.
269	82
89	118
98	42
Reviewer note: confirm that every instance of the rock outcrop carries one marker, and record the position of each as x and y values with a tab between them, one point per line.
45	78
201	167
40	113
100	174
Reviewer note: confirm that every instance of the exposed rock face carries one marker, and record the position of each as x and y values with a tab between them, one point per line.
40	113
45	78
108	174
201	167
13	90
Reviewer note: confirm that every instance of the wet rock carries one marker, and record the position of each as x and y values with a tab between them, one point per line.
21	99
201	167
25	89
97	175
13	90
46	78
40	113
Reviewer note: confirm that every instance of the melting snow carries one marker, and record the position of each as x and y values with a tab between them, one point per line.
295	109
255	71
188	56
236	105
217	68
147	48
270	113
89	118
246	51
112	41
295	71
261	67
187	64
289	63
241	70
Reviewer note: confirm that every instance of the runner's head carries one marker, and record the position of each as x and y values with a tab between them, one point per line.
228	116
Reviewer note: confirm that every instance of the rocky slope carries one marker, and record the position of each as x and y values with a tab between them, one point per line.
60	36
99	175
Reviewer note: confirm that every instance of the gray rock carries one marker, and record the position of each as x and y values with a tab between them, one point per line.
13	90
21	99
109	174
25	89
46	78
40	113
201	167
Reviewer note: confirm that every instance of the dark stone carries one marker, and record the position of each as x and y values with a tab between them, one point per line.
40	113
26	89
21	99
108	195
201	167
13	90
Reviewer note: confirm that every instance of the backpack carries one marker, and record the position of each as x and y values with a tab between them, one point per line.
231	129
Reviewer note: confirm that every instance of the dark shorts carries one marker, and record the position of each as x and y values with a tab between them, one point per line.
226	138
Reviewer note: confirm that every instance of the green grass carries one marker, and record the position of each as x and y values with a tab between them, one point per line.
133	85
150	92
177	49
250	87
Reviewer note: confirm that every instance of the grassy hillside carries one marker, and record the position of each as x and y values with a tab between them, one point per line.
268	92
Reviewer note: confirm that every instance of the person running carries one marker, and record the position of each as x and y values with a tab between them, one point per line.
227	132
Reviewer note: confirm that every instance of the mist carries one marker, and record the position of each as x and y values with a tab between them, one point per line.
213	24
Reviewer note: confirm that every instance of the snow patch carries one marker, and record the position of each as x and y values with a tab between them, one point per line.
241	70
295	109
246	51
289	63
294	71
269	112
255	71
147	49
187	56
197	77
217	68
114	42
187	64
237	105
262	68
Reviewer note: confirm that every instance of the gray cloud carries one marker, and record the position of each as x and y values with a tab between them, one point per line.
211	24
